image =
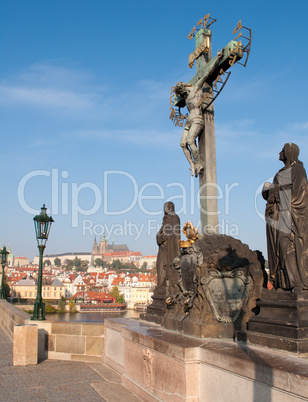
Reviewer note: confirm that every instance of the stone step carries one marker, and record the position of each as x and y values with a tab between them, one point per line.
110	388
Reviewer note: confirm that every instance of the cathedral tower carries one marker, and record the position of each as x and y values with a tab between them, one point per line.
103	245
95	248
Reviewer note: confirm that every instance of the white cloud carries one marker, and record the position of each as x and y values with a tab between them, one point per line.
166	138
65	91
45	97
44	143
298	126
241	136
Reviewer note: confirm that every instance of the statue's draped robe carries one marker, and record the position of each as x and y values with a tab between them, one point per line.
168	241
287	227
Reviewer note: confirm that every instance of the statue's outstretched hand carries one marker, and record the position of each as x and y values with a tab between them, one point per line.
220	53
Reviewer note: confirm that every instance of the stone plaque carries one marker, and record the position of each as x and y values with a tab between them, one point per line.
227	292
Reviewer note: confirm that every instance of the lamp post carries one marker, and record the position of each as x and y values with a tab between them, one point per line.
4	254
42	224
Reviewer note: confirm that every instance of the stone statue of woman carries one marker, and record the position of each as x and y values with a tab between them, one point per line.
287	223
168	239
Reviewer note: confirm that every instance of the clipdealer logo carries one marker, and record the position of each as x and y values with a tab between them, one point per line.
66	200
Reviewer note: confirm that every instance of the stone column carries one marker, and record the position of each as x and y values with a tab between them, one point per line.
25	346
207	148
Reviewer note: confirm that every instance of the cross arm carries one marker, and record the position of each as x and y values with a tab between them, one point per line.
231	53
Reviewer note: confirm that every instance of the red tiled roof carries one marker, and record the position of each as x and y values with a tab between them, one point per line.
117	281
94	296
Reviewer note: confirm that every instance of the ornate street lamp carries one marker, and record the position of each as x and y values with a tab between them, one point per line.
42	224
4	254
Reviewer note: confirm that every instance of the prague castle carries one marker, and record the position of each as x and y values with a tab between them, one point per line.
103	247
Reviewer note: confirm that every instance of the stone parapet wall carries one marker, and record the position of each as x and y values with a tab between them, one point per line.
157	364
58	340
11	316
71	340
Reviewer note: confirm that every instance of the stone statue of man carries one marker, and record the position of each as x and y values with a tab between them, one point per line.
192	96
287	223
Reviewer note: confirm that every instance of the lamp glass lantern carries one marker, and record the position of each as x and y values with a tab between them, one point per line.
4	254
42	224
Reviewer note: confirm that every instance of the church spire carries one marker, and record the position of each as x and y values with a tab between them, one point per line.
95	248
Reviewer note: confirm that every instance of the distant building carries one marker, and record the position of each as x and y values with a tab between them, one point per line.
65	256
107	252
103	247
111	252
54	291
136	289
21	261
10	258
149	260
94	297
26	289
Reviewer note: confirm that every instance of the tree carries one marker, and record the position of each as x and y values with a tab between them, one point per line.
6	288
47	262
71	306
61	304
118	296
57	262
76	262
116	264
98	262
82	266
144	265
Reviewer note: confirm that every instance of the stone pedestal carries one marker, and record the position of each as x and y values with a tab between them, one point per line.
157	364
213	294
156	310
282	322
25	347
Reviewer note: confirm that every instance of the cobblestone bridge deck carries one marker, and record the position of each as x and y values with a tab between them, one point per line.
54	380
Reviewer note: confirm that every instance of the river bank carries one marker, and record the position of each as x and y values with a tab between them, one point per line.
96	316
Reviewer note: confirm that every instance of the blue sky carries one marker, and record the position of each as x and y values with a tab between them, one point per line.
84	116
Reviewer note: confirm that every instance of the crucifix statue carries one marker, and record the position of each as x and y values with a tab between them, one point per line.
198	96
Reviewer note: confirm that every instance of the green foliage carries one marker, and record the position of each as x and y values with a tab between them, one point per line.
61	304
117	264
120	299
144	265
98	262
50	309
6	289
47	262
116	293
72	307
81	265
57	262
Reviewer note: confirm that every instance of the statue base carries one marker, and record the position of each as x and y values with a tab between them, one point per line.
282	322
211	289
156	310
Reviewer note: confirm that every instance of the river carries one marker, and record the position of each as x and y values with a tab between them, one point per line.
92	316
